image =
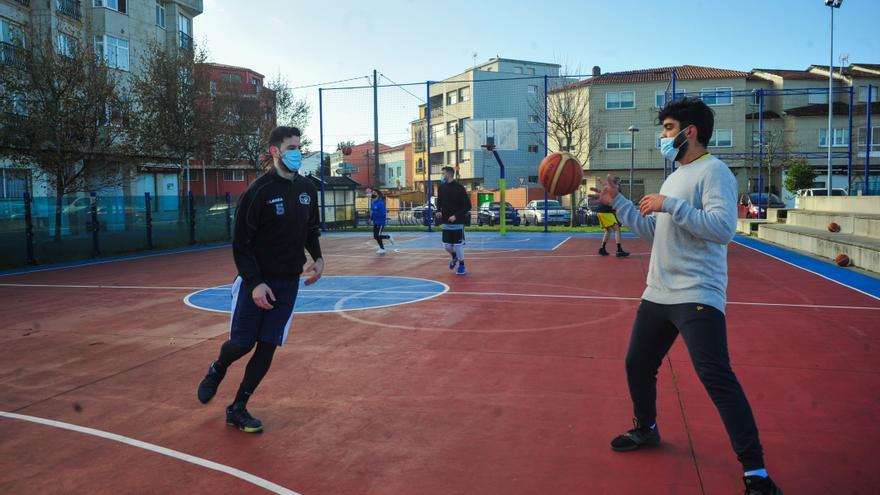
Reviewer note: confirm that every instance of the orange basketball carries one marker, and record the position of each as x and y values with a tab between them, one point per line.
560	174
833	227
842	260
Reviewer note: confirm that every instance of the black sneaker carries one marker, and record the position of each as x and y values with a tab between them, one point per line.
621	253
209	384
602	251
640	436
239	417
757	485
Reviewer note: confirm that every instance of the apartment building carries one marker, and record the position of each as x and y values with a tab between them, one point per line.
498	88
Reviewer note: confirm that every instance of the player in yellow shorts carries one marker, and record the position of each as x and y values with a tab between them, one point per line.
608	221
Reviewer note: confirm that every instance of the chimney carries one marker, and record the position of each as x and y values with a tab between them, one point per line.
596	71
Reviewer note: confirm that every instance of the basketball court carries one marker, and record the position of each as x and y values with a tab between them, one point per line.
401	377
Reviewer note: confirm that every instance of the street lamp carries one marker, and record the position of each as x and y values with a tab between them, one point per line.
632	156
831	4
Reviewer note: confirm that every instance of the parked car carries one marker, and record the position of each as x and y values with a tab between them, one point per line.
817	191
490	213
587	211
557	215
749	204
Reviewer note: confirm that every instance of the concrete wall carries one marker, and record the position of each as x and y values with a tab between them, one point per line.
844	204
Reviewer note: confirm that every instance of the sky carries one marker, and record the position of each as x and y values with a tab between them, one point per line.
415	40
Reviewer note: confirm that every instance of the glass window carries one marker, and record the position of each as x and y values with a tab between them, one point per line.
716	96
840	137
452	97
620	99
660	97
114	50
618	140
721	138
160	14
464	94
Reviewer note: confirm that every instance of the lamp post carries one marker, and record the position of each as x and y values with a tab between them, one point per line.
632	156
831	4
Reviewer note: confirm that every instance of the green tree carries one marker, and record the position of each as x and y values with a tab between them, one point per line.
799	175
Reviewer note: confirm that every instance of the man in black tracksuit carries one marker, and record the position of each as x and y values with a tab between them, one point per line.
275	220
453	208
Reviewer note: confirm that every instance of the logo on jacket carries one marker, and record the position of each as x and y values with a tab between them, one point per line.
305	199
279	205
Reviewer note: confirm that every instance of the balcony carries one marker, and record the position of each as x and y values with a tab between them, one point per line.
11	55
186	41
193	5
70	8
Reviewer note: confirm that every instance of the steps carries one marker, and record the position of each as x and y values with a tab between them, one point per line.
807	230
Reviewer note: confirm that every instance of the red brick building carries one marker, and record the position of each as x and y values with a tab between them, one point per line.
239	88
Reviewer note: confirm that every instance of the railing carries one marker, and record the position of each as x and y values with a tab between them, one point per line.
11	55
186	41
70	8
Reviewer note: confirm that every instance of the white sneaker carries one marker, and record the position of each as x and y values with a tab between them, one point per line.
380	251
391	239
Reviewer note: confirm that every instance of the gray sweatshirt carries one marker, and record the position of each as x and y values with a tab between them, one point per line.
689	237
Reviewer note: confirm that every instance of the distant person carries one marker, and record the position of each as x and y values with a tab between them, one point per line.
276	221
453	207
608	221
689	225
378	216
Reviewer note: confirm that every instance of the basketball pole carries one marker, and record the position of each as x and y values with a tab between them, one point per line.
502	187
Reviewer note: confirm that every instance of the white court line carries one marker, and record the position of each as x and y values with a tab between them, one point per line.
242	475
561	243
805	269
435	294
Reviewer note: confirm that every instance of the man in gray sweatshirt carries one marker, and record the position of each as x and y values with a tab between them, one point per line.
689	225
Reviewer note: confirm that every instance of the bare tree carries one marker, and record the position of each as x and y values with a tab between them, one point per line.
174	115
290	110
65	117
571	127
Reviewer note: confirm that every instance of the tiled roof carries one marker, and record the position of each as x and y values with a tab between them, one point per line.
840	108
793	74
682	72
659	74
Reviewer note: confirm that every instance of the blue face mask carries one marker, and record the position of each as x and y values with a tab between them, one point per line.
443	179
668	148
292	159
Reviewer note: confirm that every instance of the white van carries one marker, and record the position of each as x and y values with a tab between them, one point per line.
818	191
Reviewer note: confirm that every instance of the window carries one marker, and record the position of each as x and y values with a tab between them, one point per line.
451	127
660	97
533	148
462	157
716	96
184	25
533	179
256	82
818	96
437	133
11	33
756	138
534	119
840	137
875	137
530	71
618	140
620	99
14	182
231	78
233	175
464	94
863	94
566	144
160	14
66	45
517	70
195	175
114	50
452	97
533	89
399	172
420	166
450	157
19	104
117	5
721	138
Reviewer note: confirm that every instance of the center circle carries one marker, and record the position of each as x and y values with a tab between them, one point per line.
335	293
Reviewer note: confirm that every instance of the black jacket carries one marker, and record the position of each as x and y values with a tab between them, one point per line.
453	199
274	220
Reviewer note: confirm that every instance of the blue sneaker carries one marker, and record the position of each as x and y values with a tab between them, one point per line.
461	270
452	263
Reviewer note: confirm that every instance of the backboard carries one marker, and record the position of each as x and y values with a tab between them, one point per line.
500	132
